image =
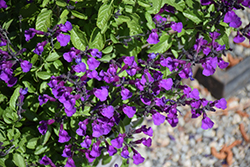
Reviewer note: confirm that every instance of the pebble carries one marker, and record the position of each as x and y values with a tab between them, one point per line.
236	119
209	133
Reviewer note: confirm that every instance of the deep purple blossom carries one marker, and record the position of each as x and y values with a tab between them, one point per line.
153	37
158	18
138	158
70	163
63	135
67	151
209	66
246	3
232	19
169	63
3	4
66	27
63	39
111	150
166	83
108	111
238	38
96	150
93	63
158	118
26	65
86	142
46	161
89	157
102	93
129	111
81	131
40	47
118	142
206	122
206	2
81	67
125	152
126	94
177	26
95	53
222	103
147	142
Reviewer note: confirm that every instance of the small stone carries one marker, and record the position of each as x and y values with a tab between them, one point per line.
192	142
185	148
236	119
176	157
209	133
187	163
167	164
220	132
181	121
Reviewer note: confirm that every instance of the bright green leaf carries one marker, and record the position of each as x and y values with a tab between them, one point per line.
43	21
78	38
97	39
43	75
45	2
192	16
40	149
104	14
19	160
31	144
14	98
79	15
53	56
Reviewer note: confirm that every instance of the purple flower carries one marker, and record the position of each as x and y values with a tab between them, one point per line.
232	19
246	3
206	122
108	111
102	93
26	65
81	67
63	135
3	4
81	131
63	39
222	64
166	83
44	127
138	158
158	118
177	27
111	150
147	142
125	152
126	94
70	162
95	53
148	131
68	56
89	157
86	142
129	111
66	27
238	38
153	37
222	103
206	2
96	150
39	48
159	18
67	151
93	63
117	142
209	66
168	62
30	33
43	99
46	161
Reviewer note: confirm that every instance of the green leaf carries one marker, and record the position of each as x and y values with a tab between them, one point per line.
43	87
150	23
106	159
134	25
61	3
178	4
156	6
78	38
192	16
34	59
14	98
162	46
19	160
45	2
64	13
143	4
53	56
32	143
40	149
43	21
79	15
97	39
104	14
107	49
30	87
6	25
43	75
45	138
